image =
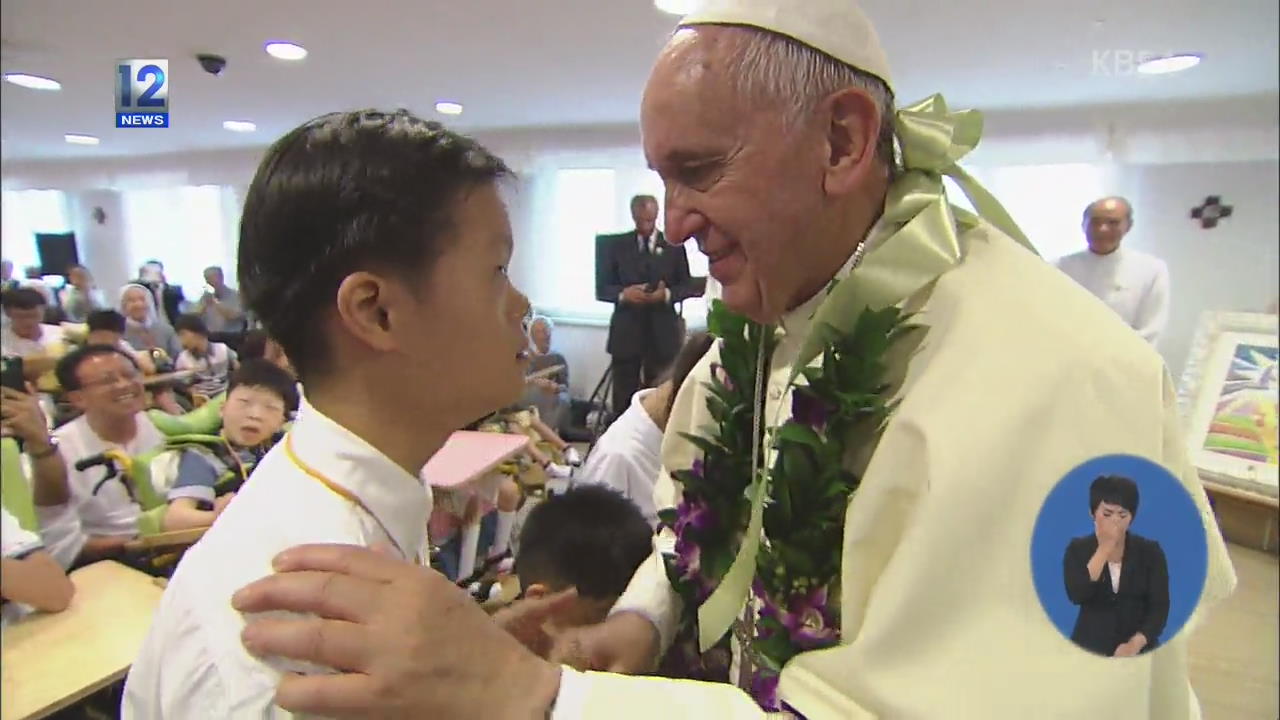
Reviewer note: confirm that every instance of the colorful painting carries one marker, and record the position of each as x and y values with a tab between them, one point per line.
1228	399
1244	423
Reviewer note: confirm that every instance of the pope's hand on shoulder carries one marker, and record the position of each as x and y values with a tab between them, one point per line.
383	623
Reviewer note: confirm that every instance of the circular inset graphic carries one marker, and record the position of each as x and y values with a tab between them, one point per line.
1119	556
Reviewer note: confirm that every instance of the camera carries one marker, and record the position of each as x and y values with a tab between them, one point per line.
212	64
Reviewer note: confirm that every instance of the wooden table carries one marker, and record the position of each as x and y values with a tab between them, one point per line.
465	464
50	662
1245	518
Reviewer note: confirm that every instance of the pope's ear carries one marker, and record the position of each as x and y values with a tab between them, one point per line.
853	133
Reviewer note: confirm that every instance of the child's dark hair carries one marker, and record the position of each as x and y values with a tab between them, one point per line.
191	323
1114	490
106	321
690	353
348	191
267	375
590	538
22	298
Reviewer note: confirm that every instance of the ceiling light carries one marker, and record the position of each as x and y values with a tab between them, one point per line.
78	139
35	82
238	126
1169	64
286	50
449	108
676	7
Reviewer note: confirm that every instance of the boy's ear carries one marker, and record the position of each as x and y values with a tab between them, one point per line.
537	590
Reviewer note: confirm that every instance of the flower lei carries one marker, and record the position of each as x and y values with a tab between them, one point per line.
840	405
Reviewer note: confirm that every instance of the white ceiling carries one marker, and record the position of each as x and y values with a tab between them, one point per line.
528	63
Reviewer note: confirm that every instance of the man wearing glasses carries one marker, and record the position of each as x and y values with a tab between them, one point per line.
104	384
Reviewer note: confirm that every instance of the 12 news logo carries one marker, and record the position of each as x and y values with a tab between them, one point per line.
142	94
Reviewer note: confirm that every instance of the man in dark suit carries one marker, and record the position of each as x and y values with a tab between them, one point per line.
169	298
645	278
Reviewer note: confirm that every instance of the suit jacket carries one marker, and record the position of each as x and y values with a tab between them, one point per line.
1108	618
171	299
634	329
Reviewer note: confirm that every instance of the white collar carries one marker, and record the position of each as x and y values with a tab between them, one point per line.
396	499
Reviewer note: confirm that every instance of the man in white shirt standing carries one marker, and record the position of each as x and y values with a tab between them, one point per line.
27	336
1133	283
374	248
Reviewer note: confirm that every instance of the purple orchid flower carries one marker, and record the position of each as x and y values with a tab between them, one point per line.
688	558
809	620
692	513
764	689
697	468
809	409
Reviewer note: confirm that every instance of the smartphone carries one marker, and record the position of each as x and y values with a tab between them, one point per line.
11	376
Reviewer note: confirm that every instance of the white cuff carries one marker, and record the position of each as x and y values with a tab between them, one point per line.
572	696
650	595
666	295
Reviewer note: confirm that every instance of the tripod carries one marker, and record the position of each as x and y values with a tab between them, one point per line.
600	413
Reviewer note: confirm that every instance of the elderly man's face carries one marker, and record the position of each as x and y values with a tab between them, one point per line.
540	333
1105	225
751	197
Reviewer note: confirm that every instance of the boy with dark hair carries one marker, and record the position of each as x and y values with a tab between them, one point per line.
212	362
260	399
106	327
374	248
589	538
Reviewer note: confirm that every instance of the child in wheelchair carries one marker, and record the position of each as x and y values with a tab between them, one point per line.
206	476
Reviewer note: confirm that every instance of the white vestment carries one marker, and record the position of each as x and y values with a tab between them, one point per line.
1020	377
1134	284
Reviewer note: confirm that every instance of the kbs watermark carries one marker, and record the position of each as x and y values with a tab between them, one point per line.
1120	62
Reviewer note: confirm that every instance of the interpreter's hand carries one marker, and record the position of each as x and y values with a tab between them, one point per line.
635	294
625	643
546	385
406	641
1108	533
1132	647
527	620
21	414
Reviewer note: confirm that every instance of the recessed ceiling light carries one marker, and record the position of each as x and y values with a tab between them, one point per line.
238	126
286	50
449	108
1169	64
676	7
35	82
78	139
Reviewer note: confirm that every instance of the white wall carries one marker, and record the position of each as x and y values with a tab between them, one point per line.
1167	159
1235	266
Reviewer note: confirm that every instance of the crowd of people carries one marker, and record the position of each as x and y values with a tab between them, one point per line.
373	251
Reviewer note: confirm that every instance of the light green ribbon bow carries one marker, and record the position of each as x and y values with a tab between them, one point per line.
919	239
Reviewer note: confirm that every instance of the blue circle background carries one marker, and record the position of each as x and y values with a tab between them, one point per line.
1166	514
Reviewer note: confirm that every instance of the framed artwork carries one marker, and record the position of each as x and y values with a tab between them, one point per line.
1229	401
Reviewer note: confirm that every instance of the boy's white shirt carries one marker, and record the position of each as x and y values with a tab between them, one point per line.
1021	377
192	664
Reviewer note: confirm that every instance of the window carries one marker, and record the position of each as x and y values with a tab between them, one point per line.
25	213
1046	201
573	206
186	228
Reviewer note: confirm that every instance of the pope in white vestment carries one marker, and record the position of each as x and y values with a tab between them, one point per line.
1018	377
